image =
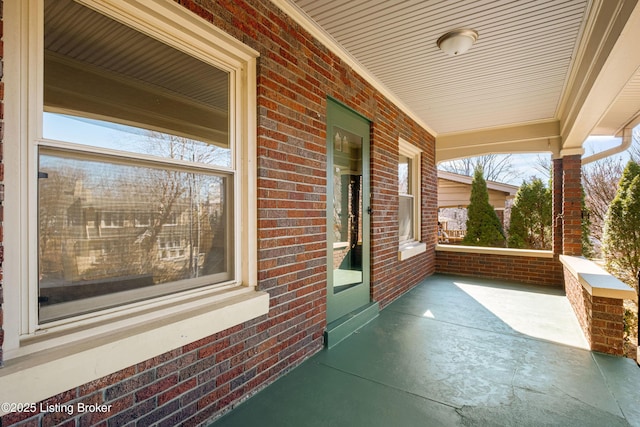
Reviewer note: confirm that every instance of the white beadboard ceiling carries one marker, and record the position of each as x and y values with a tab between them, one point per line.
516	73
519	72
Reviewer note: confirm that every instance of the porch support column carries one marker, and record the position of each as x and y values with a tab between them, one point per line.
557	206
598	308
571	205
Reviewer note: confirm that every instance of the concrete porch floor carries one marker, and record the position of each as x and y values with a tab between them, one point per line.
456	351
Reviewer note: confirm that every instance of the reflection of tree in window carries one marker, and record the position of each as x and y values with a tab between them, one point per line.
58	190
132	208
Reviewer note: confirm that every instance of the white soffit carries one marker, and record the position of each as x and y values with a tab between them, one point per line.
625	109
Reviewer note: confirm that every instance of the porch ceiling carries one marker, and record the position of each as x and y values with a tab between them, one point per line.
543	75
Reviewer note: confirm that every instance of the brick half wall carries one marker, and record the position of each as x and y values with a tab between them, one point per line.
601	318
517	267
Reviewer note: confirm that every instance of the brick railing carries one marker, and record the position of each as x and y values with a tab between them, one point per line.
597	299
527	266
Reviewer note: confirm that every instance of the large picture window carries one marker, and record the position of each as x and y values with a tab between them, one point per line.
135	167
130	187
130	181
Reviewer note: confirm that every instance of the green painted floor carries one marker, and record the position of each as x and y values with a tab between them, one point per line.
456	351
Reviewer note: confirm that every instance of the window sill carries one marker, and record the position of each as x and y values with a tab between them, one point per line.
411	249
55	369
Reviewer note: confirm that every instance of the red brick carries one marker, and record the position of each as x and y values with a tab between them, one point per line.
176	391
156	387
106	381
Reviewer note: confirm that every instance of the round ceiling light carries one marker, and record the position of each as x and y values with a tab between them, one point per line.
457	42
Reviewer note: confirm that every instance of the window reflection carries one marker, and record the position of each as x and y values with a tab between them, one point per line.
106	227
347	210
404	175
113	136
405	216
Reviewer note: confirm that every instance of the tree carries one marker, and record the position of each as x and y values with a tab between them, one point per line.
587	245
621	242
600	182
483	225
496	167
517	230
530	225
543	165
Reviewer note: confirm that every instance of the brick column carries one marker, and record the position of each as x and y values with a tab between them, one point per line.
572	205
557	206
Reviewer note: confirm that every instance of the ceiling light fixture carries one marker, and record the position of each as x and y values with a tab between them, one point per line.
458	41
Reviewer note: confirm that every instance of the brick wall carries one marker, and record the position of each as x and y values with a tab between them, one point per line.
389	277
534	270
601	319
608	325
339	256
201	380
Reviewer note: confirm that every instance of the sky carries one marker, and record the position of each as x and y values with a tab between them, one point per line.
525	164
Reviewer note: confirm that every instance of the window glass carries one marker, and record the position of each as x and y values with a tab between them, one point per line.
405	208
124	87
109	135
404	175
107	228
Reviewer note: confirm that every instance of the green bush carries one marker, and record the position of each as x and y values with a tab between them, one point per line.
483	225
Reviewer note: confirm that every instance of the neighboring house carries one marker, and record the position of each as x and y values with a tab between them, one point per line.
454	193
225	185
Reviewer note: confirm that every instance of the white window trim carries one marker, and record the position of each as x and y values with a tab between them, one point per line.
411	248
114	339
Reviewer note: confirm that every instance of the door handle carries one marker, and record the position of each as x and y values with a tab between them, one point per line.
369	210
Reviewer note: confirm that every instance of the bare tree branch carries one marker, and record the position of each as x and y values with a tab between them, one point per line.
496	167
600	182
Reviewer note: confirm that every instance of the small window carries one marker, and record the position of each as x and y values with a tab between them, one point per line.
408	192
406	199
409	201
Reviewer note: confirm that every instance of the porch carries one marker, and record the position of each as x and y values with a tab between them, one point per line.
456	351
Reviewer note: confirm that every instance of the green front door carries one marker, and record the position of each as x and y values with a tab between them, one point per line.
348	207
